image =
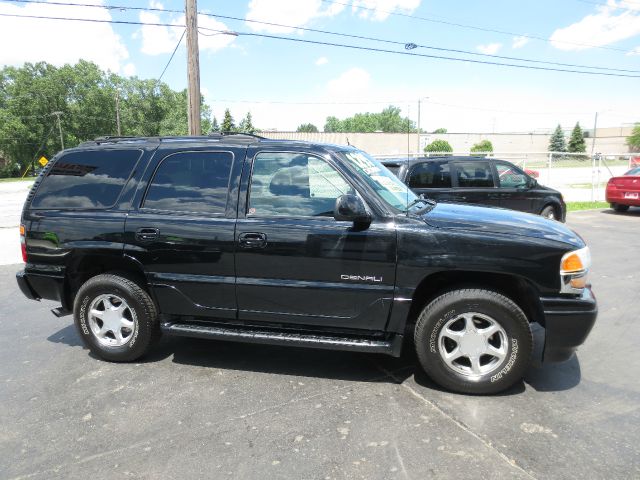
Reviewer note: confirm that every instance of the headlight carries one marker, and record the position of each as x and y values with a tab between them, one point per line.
574	268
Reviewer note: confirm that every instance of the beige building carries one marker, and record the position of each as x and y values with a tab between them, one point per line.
607	140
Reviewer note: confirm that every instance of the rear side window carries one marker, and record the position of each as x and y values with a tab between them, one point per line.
430	175
191	182
474	174
86	179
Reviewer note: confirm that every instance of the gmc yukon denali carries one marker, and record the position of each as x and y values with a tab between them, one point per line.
240	238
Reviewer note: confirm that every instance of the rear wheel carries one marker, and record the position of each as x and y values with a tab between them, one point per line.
473	341
549	212
619	208
115	317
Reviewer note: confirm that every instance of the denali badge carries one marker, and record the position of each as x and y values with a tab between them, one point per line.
361	278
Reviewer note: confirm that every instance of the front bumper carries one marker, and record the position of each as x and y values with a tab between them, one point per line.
568	321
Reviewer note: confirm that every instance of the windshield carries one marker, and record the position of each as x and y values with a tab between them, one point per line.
386	184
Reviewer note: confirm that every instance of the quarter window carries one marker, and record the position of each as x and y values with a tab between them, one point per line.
86	179
294	185
430	175
191	182
510	177
474	175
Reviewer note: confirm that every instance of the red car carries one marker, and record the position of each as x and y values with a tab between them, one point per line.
624	192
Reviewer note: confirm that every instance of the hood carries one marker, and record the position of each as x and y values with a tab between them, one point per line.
500	221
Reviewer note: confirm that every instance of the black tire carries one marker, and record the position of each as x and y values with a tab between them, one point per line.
517	338
619	208
549	212
141	310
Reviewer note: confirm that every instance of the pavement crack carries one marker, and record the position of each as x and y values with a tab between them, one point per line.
458	423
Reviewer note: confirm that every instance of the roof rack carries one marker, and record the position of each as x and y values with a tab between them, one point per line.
227	134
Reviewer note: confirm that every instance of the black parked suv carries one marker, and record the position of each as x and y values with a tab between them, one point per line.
247	239
480	181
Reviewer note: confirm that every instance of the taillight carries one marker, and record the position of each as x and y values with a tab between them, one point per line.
23	243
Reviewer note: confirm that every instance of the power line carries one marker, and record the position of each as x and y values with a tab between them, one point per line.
171	58
331	44
340	34
474	27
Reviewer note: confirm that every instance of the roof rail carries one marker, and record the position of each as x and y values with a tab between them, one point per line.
227	134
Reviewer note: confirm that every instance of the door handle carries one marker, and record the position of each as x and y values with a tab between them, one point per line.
252	240
146	234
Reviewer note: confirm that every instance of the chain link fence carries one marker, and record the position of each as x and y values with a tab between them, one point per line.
578	176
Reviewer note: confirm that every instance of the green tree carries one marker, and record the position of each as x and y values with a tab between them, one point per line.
227	122
332	125
482	147
214	125
557	142
440	130
438	146
246	124
389	120
307	128
634	139
87	98
576	141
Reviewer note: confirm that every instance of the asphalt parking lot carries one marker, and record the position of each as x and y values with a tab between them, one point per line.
203	409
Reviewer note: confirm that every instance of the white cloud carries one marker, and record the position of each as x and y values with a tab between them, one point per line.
381	9
354	81
322	61
611	23
293	13
58	41
635	51
129	69
161	40
519	42
489	49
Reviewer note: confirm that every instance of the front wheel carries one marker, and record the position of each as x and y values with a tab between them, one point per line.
549	212
473	341
115	317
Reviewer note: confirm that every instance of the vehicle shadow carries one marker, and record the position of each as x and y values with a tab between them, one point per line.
328	364
632	212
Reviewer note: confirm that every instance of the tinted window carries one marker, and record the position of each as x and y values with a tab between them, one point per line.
474	174
87	179
510	176
191	182
393	169
430	175
291	184
633	171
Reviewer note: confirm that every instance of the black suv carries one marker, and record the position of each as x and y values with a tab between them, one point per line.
480	181
246	239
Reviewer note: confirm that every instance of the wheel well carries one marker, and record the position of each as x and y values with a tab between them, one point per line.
516	288
89	266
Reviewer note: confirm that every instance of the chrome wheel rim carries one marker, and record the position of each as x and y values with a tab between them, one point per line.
112	321
473	344
550	215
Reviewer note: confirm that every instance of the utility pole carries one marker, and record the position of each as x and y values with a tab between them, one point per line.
419	100
118	113
57	115
193	67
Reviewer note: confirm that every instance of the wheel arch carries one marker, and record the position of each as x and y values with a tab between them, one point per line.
518	289
82	268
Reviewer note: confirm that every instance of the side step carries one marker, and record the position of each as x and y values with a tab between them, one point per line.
391	346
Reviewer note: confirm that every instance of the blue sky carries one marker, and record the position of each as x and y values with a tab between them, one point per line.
285	83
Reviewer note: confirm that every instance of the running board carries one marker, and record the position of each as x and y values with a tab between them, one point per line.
391	346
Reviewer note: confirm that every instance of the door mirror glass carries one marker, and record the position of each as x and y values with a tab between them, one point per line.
350	208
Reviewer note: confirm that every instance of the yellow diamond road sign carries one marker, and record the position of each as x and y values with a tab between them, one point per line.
43	161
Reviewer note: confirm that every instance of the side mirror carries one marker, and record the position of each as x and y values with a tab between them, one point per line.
532	182
350	208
